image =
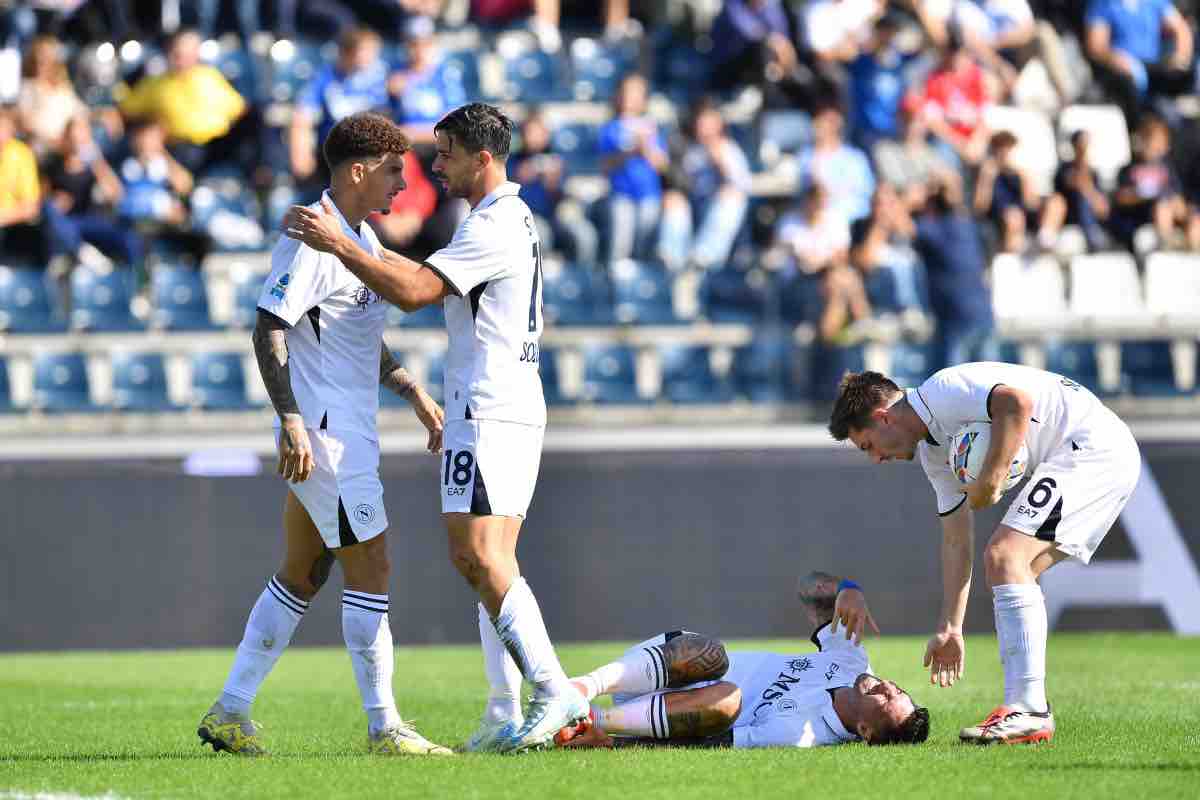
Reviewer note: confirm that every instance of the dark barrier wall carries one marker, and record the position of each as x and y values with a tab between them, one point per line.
618	546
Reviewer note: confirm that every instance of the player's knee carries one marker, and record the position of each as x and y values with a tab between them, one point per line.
693	657
299	585
1000	562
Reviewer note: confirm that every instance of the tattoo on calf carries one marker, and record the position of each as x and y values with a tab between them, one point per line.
691	658
320	569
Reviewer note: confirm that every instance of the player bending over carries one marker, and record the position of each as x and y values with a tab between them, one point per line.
683	688
1083	463
319	343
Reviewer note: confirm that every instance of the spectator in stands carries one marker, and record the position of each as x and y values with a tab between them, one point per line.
949	245
47	101
841	168
1077	199
1149	192
699	228
878	77
1125	44
542	175
419	221
633	154
423	91
912	163
1005	194
155	186
835	31
544	17
883	243
81	191
753	44
21	235
206	120
956	102
356	81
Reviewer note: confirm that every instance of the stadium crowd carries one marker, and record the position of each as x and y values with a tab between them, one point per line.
823	163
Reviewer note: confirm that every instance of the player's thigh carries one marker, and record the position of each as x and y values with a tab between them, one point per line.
1074	496
489	468
343	496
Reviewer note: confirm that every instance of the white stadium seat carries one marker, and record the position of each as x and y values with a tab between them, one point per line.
1173	283
1105	285
1037	149
1023	289
1110	148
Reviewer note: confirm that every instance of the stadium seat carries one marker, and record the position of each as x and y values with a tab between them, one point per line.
572	294
139	382
462	66
911	364
435	376
1037	147
100	300
597	68
576	143
680	71
829	363
738	296
229	213
783	132
6	404
60	383
1022	288
551	379
1173	283
800	298
642	293
1147	368
430	316
771	368
179	299
1109	148
610	375
1075	360
688	377
26	303
218	382
1105	284
281	197
247	287
293	65
534	76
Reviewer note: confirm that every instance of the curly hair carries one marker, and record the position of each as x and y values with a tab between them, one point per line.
913	730
859	394
478	127
363	135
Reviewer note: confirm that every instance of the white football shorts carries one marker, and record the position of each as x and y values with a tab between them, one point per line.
343	495
1076	494
489	467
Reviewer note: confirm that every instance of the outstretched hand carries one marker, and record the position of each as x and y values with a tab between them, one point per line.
946	657
319	229
851	612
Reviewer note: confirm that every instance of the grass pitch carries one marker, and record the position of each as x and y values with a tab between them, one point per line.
122	725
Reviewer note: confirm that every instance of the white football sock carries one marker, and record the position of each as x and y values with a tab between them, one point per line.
1021	626
369	641
521	628
643	669
641	716
503	674
269	629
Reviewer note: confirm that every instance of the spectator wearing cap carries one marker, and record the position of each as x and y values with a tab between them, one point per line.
878	80
423	90
1125	42
1077	198
841	168
21	234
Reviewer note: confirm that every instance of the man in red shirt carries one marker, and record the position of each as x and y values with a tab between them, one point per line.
956	102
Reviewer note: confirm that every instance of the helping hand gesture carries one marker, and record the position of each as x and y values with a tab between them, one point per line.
946	657
851	612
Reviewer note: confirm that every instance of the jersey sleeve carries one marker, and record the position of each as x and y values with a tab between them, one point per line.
475	255
299	280
946	488
954	398
834	642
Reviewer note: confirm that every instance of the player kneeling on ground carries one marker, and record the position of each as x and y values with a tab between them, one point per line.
683	688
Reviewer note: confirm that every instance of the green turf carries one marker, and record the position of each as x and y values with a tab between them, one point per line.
123	725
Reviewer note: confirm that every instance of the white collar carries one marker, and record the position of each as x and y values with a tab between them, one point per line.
342	219
830	715
503	190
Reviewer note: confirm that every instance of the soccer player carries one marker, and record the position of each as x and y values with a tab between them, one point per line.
319	343
683	688
489	281
1083	465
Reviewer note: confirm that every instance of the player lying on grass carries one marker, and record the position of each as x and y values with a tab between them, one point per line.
683	688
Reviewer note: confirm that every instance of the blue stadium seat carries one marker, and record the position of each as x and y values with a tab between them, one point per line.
60	383
1147	369
688	377
829	364
293	65
576	142
535	76
610	375
218	383
882	292
6	404
597	69
229	212
800	298
771	368
281	197
740	296
179	299
681	71
26	303
551	383
139	382
100	300
641	293
573	295
238	67
247	287
912	363
1075	360
430	316
463	66
785	131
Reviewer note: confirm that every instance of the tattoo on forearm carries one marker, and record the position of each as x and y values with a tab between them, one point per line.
691	658
270	349
393	376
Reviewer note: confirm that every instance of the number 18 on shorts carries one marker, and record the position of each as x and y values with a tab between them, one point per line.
489	467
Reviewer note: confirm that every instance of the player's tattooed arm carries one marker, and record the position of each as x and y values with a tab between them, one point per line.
720	740
691	658
270	349
393	376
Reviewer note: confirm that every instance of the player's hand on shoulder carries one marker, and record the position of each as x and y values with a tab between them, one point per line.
946	657
296	460
431	416
850	612
982	493
320	229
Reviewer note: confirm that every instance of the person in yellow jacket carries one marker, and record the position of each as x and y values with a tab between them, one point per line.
20	196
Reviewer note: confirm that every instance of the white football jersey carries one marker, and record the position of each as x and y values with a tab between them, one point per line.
494	318
336	331
786	700
1063	411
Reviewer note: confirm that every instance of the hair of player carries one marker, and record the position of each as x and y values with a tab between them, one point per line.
361	136
914	729
478	127
859	394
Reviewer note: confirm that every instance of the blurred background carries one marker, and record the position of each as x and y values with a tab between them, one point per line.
739	200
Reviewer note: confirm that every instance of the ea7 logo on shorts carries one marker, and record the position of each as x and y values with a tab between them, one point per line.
364	513
280	287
